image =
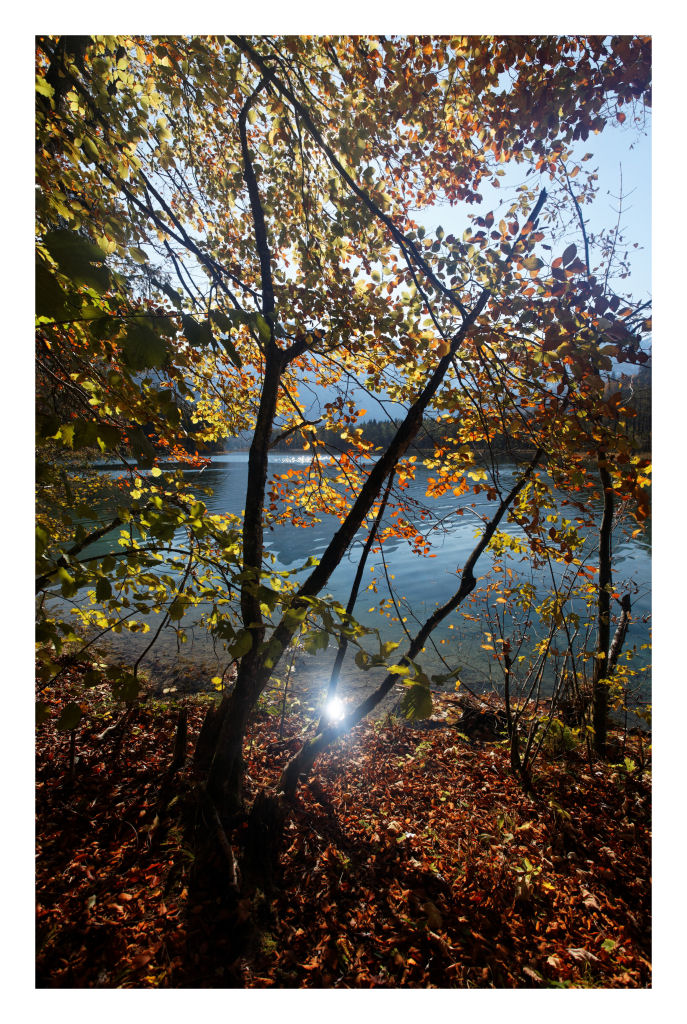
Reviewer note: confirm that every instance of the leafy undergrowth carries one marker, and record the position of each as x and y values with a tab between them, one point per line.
412	859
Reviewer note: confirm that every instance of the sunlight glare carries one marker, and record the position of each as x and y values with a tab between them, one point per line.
335	710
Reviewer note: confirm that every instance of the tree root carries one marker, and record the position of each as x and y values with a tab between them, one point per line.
226	847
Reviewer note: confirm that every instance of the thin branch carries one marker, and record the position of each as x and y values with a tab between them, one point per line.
259	225
579	217
165	618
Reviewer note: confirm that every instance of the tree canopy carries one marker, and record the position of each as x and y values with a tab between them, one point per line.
224	223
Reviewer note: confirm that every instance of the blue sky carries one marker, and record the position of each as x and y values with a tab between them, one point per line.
618	148
619	154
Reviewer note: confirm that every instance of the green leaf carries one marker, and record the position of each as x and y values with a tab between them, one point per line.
142	347
178	607
388	647
317	642
51	300
225	324
272	652
225	321
44	88
67	434
92	677
125	687
231	352
398	670
70	718
263	327
85	434
197	334
171	294
68	583
242	645
42	712
362	660
293	617
103	589
108	436
42	540
76	257
90	151
142	448
416	702
137	254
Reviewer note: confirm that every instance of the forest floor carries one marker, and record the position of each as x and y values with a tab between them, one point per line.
411	859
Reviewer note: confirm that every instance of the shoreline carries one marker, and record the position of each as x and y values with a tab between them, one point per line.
308	683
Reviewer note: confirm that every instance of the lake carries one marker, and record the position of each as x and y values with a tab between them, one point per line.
421	584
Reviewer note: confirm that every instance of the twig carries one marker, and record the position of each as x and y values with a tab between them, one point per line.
165	619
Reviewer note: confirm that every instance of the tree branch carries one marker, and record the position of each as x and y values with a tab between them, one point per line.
305	758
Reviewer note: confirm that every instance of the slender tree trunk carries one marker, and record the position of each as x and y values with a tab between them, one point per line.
620	633
226	770
353	596
516	765
601	666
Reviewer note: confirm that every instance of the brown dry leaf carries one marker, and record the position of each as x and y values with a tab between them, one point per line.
434	918
141	960
590	901
583	955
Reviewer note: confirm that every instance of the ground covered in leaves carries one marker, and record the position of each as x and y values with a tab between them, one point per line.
411	859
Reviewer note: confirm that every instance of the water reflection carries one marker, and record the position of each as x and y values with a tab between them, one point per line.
421	583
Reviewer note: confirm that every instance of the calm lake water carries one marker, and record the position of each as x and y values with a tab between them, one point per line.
421	584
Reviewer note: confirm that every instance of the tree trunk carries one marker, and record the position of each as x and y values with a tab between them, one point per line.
209	733
226	769
601	667
620	633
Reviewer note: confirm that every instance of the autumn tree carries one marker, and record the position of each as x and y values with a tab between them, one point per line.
223	222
